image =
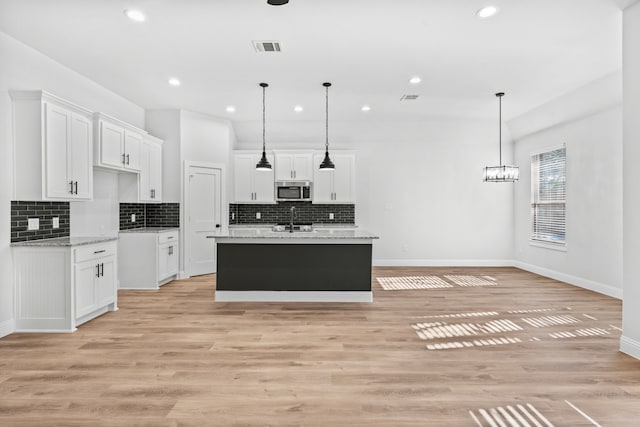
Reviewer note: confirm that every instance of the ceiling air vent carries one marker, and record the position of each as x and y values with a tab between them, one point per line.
266	45
409	97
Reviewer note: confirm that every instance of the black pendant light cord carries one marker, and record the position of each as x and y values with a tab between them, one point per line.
500	95
326	125
264	88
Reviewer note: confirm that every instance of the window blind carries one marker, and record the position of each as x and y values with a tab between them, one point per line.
548	192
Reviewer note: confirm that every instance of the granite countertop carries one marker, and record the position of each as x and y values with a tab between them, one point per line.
317	225
322	234
65	241
150	230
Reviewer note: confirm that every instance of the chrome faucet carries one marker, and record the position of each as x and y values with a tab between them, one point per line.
294	215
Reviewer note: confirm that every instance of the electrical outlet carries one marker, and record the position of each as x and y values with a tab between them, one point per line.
33	224
258	216
133	217
55	222
331	216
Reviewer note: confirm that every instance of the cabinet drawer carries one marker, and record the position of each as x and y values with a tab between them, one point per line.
85	253
170	236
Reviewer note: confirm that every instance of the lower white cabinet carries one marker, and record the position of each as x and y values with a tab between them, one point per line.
148	258
61	287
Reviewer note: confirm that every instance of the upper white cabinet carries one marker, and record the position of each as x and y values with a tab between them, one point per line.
250	185
145	186
337	186
118	145
150	179
53	143
294	166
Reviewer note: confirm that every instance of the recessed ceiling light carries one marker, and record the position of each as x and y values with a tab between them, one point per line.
231	109
366	108
298	109
135	15
487	11
415	80
174	82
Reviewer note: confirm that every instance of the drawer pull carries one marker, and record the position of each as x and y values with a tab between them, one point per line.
211	237
100	251
170	237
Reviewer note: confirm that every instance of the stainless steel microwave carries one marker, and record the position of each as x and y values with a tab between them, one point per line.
287	191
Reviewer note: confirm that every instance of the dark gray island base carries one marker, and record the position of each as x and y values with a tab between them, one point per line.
262	265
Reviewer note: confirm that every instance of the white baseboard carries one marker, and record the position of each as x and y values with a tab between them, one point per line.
442	263
7	327
572	280
294	296
630	346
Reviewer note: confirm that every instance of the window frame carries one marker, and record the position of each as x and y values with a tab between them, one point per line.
534	240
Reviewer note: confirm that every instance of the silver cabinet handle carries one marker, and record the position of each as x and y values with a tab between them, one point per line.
100	251
170	250
124	158
97	270
170	237
127	159
211	237
102	268
76	188
71	189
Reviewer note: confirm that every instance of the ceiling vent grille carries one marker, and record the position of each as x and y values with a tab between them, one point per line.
267	46
409	97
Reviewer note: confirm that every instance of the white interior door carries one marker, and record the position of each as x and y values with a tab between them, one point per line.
204	219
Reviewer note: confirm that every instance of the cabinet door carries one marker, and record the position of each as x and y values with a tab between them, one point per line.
284	167
57	137
106	283
322	182
263	183
164	260
172	259
155	171
302	167
81	166
86	274
111	145
132	150
344	178
243	171
144	182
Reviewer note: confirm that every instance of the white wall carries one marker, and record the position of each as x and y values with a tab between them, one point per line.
194	137
419	186
23	68
100	217
589	122
630	341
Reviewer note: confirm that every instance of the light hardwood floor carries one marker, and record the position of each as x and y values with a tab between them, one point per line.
175	357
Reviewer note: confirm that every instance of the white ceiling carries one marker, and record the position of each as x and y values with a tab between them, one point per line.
534	50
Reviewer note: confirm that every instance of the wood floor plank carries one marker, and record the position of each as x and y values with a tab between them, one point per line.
175	357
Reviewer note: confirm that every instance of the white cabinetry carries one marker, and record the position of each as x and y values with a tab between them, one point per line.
336	186
250	185
59	288
118	145
147	185
293	166
148	258
53	143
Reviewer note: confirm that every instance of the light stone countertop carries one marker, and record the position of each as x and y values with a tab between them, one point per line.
150	230
315	225
317	234
65	241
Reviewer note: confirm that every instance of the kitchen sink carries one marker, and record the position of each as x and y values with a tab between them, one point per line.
296	228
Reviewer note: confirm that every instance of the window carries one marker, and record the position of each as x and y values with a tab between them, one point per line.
548	191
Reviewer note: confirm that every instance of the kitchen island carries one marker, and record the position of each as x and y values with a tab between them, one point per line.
320	265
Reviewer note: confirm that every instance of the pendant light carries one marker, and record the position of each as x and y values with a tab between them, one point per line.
263	164
502	173
327	164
